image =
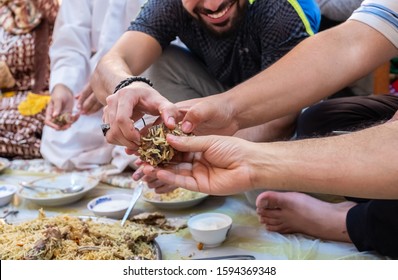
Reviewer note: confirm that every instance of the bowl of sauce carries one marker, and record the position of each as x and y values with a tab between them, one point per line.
111	206
210	229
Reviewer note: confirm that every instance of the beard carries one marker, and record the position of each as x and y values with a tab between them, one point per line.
232	22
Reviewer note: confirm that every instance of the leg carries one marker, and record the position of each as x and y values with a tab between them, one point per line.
374	226
370	225
178	76
292	212
81	146
348	113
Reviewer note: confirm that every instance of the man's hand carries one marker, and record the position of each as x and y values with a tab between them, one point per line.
208	115
87	102
130	104
59	111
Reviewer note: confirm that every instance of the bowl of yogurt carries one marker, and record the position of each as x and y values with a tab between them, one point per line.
7	192
112	206
210	229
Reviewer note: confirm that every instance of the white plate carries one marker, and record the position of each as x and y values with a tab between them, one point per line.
56	198
155	199
4	163
95	219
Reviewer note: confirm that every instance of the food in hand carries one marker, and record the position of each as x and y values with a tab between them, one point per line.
154	148
62	119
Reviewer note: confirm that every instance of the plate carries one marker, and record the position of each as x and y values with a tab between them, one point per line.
55	197
4	163
100	220
177	199
155	244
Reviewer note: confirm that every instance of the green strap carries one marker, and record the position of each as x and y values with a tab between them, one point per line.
302	16
251	1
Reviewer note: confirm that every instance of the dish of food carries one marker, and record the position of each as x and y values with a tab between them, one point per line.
177	199
4	163
66	237
53	195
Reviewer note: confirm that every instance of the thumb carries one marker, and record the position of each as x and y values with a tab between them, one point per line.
191	143
195	115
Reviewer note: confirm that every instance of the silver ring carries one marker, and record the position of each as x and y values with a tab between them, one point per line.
105	127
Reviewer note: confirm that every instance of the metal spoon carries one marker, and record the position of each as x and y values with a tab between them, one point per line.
71	189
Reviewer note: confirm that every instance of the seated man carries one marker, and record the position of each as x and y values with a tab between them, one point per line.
25	36
72	138
227	43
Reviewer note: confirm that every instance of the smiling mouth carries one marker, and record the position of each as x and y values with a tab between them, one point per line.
221	13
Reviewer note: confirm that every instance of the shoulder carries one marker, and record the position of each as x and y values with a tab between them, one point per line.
381	15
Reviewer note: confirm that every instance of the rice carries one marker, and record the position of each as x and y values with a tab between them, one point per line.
66	237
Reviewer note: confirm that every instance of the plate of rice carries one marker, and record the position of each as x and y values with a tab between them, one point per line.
177	199
66	237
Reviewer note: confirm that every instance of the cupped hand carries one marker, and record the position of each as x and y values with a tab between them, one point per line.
215	165
152	181
61	103
129	105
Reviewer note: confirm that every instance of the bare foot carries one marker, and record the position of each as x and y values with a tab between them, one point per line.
291	212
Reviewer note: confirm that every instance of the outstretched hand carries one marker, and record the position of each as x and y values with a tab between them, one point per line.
215	165
130	104
207	116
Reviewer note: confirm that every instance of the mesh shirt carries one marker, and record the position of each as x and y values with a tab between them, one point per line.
269	29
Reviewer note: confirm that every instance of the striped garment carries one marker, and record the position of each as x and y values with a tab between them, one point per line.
382	15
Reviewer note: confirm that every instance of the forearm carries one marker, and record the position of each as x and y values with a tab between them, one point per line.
124	59
361	164
115	70
316	68
276	130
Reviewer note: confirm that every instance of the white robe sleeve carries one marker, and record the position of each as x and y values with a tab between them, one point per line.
71	47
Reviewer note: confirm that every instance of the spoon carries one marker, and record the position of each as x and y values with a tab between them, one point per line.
71	189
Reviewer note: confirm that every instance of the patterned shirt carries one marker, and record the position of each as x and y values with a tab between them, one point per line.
269	30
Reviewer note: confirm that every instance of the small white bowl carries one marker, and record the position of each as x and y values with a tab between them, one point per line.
7	192
112	206
210	229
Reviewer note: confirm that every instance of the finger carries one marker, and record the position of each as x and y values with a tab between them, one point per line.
116	134
191	144
165	189
197	114
174	179
169	113
85	93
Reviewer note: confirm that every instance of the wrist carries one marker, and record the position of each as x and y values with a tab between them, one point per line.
130	80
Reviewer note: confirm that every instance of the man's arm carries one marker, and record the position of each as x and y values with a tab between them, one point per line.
359	164
313	70
132	54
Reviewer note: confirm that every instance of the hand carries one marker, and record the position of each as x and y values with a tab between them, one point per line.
129	105
208	115
87	102
215	165
152	181
61	104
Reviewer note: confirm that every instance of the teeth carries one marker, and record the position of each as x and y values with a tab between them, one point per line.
218	15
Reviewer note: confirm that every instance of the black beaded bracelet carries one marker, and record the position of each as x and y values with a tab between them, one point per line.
130	80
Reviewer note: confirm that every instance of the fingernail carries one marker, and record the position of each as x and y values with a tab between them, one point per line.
186	126
171	121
